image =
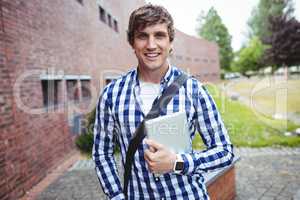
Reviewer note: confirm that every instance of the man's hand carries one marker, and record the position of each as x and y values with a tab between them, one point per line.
158	157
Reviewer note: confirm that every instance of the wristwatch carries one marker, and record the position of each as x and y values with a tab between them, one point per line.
178	166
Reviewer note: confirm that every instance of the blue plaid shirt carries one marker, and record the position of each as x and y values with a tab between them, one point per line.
119	113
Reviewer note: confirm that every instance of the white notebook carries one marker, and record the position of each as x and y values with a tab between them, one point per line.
170	130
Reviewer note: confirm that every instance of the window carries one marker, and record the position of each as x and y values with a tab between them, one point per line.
110	77
109	20
116	26
102	14
86	89
72	90
108	80
80	1
50	92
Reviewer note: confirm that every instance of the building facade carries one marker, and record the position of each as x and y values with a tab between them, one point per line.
55	56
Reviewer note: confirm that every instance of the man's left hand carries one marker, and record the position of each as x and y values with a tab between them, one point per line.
159	158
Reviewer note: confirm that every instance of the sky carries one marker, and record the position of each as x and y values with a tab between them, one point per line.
234	14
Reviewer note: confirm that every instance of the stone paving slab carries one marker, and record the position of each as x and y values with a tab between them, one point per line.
242	152
268	173
261	174
268	151
74	185
83	165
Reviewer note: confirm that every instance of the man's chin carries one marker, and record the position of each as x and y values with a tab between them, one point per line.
151	65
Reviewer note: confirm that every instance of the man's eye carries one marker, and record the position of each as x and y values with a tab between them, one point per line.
160	36
142	37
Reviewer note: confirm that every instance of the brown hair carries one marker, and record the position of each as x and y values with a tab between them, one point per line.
146	16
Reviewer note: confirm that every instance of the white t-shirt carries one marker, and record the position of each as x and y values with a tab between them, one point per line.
149	91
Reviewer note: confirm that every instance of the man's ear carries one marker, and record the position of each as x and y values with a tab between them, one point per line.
171	49
132	44
132	47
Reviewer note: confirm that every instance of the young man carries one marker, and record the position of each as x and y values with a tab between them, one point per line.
125	102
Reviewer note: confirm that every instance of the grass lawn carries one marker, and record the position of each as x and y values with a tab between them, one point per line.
270	95
247	129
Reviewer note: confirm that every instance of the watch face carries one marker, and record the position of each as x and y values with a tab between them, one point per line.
179	166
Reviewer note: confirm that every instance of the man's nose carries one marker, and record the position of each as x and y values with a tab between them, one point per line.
151	44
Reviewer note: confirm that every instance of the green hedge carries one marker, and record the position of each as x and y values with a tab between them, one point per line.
85	141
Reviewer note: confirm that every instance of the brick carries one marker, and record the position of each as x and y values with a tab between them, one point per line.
46	35
223	188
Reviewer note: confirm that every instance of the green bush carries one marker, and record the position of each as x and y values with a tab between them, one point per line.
84	142
90	120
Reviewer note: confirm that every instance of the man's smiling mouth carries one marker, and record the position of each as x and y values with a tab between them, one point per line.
152	55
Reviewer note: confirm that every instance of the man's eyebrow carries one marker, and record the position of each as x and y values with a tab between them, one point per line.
158	33
141	32
161	33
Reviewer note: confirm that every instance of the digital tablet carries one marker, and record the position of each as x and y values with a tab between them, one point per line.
170	130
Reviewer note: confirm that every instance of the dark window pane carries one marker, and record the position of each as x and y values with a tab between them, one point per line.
80	1
102	14
116	26
50	92
109	20
72	90
107	81
86	89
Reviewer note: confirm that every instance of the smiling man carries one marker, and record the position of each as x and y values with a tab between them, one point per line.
124	104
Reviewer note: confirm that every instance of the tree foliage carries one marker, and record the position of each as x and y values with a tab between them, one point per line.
259	22
212	29
284	41
249	57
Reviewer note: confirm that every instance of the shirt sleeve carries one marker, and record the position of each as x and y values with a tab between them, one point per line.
103	150
219	149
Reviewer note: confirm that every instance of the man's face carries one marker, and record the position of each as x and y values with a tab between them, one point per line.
152	46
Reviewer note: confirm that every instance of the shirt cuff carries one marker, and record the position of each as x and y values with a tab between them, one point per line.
188	164
120	196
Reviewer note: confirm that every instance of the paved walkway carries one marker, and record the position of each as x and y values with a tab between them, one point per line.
262	174
268	174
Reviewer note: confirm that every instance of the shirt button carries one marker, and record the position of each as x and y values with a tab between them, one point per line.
156	179
162	198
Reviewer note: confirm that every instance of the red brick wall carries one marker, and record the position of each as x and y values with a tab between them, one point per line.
199	57
63	37
223	188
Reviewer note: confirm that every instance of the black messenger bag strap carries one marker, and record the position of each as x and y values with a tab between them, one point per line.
140	134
